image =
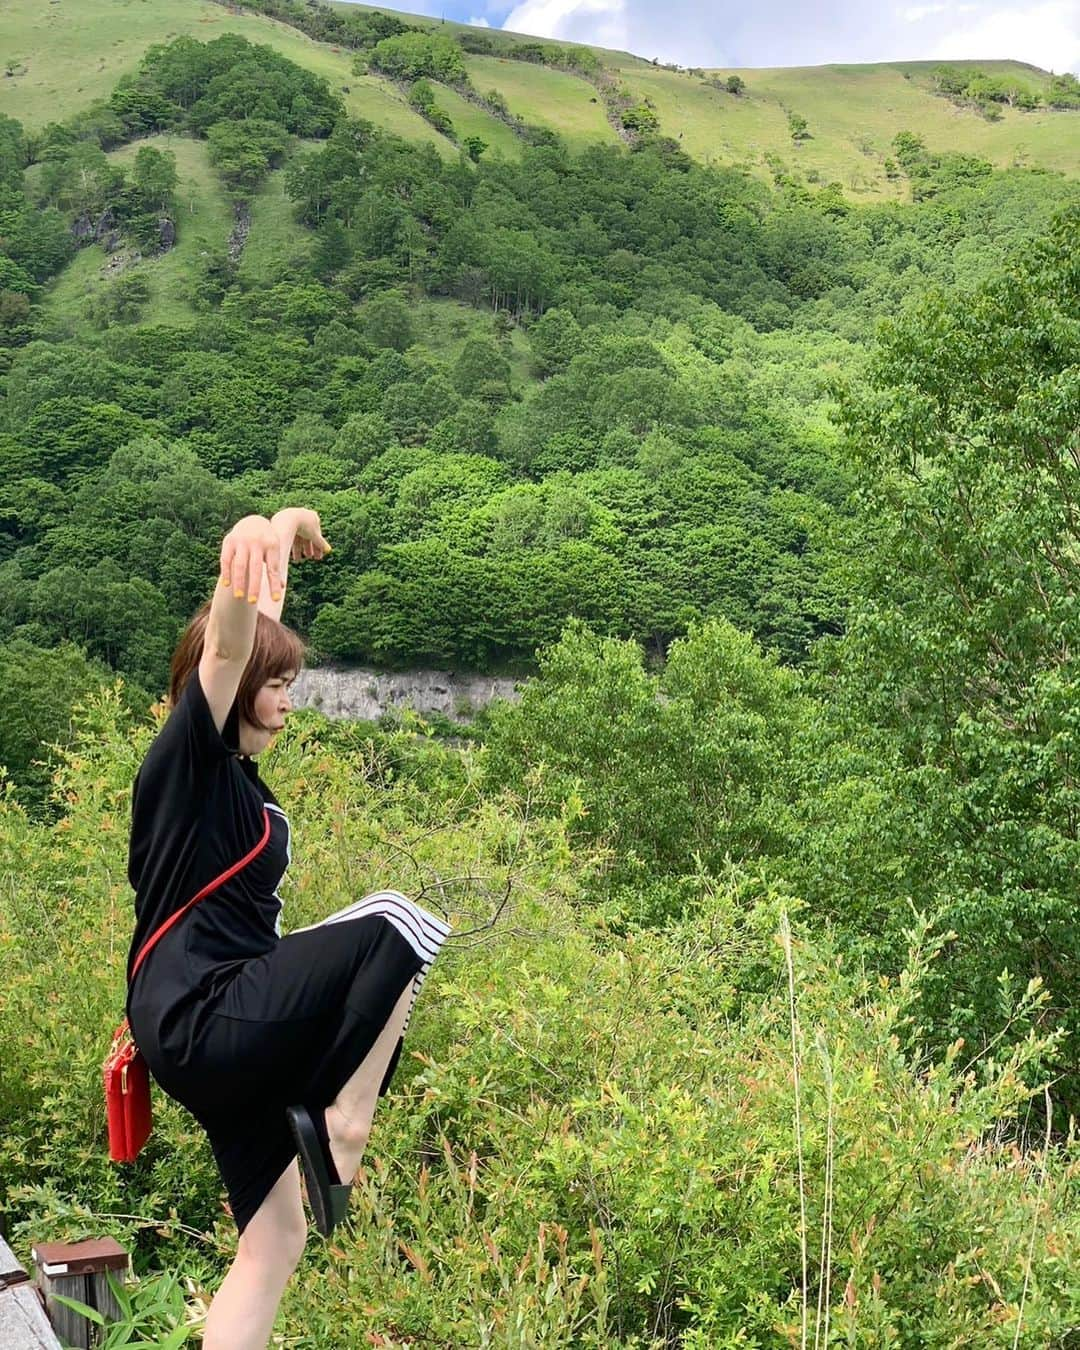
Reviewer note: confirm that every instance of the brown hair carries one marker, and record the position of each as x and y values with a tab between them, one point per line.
276	649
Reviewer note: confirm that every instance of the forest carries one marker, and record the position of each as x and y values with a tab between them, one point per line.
769	498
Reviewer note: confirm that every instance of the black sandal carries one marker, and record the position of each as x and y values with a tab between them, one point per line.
328	1196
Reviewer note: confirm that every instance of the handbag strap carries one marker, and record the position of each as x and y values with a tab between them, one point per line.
211	886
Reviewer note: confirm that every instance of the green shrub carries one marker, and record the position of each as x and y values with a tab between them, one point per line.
716	1134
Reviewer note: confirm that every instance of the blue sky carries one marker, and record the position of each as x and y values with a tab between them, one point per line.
791	32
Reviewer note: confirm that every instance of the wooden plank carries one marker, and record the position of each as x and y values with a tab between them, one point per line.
23	1324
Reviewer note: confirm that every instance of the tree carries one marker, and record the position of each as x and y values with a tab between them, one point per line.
555	339
798	126
153	178
735	84
124	622
469	430
910	149
386	321
412	55
14	310
362	437
692	774
308	434
38	689
84	180
963	646
413	409
480	363
122	301
141	106
640	117
244	152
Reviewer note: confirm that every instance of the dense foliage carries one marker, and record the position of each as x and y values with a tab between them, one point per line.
989	93
595	1141
637	436
759	1023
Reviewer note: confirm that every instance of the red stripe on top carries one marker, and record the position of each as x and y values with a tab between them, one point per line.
212	886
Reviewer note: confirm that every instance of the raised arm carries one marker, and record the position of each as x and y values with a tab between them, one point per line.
299	535
249	552
254	567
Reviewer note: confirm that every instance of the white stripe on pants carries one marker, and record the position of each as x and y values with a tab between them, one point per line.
421	930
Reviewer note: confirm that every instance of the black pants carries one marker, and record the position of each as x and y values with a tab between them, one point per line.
292	1027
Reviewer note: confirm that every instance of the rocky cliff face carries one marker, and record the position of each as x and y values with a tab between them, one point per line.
366	694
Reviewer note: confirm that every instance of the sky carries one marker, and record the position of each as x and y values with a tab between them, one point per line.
723	33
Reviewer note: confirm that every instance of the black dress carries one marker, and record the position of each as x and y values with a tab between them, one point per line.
235	1021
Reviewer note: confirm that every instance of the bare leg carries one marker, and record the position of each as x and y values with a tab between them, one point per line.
242	1313
349	1116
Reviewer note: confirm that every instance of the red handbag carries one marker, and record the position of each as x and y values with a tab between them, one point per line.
125	1072
127	1096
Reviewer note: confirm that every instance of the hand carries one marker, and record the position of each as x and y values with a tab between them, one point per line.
308	541
251	544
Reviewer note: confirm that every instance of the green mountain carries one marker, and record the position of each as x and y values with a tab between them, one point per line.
61	57
761	469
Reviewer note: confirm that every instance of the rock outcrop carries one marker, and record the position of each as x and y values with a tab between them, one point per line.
367	694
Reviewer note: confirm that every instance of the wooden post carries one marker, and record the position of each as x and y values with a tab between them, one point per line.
78	1270
23	1324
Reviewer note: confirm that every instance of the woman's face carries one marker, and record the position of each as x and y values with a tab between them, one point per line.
272	706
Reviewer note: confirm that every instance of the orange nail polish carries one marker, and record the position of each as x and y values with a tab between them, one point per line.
239	595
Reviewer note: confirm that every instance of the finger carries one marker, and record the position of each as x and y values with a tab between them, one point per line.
255	573
228	550
239	569
273	569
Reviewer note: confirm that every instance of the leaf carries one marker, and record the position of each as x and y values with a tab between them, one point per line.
121	1295
177	1337
417	1260
83	1309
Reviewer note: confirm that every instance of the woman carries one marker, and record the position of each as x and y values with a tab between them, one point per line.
277	1045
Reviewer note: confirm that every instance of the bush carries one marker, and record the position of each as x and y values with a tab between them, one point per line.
121	301
413	55
387	322
711	1135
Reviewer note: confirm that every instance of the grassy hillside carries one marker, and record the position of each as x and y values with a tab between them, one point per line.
854	112
204	218
471	120
72	56
538	94
68	56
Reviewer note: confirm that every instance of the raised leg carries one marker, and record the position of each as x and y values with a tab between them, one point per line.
349	1116
242	1313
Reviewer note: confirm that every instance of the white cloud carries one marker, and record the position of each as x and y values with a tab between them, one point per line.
1046	35
477	23
729	33
684	32
599	21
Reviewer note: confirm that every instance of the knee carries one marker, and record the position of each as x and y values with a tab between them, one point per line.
354	1130
275	1250
357	1133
